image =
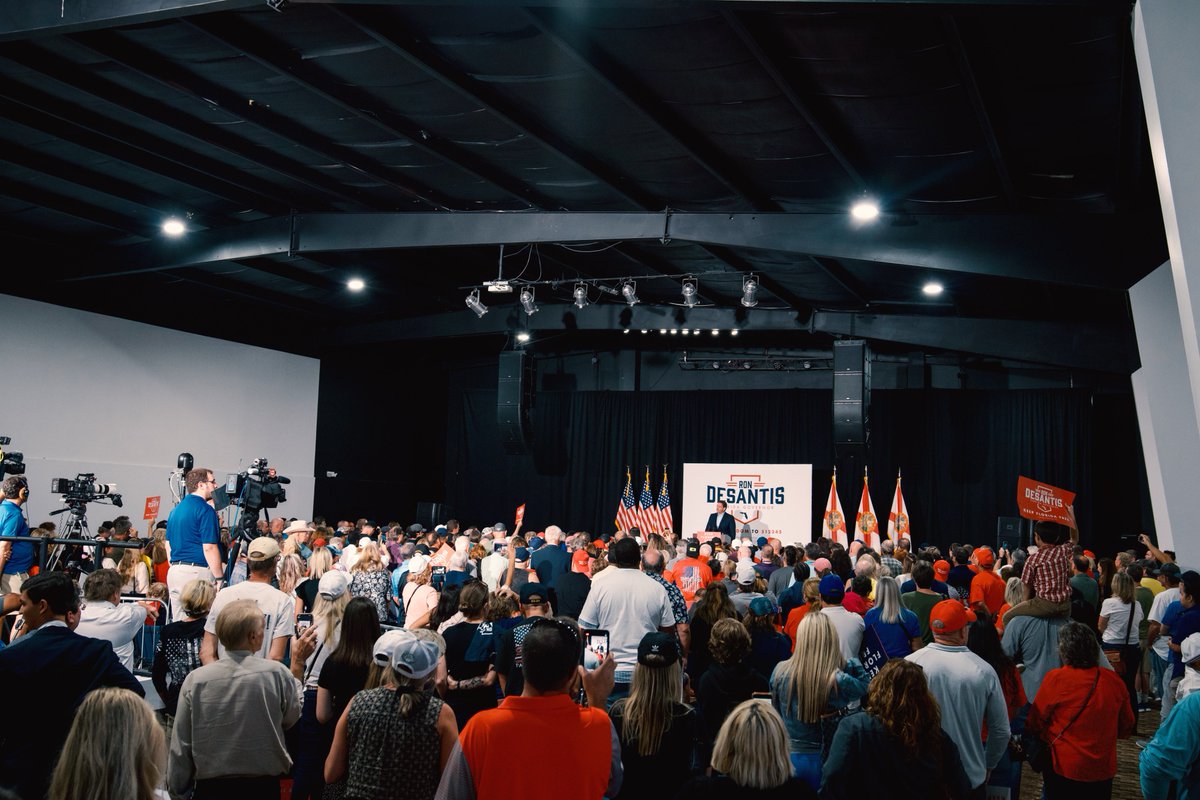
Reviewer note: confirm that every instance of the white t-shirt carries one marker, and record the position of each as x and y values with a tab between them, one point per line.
627	604
278	609
1158	610
1118	616
117	625
849	627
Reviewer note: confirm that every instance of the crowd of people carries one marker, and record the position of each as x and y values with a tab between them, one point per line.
355	660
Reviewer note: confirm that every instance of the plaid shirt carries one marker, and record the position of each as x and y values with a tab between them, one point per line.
1049	569
892	564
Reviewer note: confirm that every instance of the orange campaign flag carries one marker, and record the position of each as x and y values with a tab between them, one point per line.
865	523
1037	500
898	516
835	519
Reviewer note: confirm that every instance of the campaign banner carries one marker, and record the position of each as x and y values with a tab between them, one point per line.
1037	500
151	509
873	654
772	500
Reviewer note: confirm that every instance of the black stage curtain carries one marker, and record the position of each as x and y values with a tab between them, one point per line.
960	452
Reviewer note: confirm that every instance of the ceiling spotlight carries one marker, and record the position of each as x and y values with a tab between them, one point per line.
685	331
689	292
580	295
864	210
674	331
716	331
663	331
645	331
356	284
750	291
733	332
716	365
523	336
527	301
746	365
174	227
473	303
629	292
626	330
933	288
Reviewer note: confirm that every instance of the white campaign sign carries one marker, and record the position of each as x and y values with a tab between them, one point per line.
765	499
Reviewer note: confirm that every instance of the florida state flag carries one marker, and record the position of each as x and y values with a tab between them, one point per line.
898	516
835	518
865	523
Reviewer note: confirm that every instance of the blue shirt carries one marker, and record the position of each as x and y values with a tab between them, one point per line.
1174	753
12	523
896	636
192	524
1180	622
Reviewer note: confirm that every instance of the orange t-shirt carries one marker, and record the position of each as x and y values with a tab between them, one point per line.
582	740
691	575
987	588
793	622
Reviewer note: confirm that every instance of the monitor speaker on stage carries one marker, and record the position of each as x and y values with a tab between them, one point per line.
1010	533
432	514
851	392
513	399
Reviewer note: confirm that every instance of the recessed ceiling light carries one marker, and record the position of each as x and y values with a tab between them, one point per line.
626	330
674	331
662	331
174	227
645	330
864	210
933	288
733	332
356	284
716	332
523	336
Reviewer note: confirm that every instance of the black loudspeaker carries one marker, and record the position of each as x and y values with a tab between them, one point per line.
851	392
513	399
1010	533
432	514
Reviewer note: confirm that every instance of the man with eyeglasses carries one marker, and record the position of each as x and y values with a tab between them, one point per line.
193	534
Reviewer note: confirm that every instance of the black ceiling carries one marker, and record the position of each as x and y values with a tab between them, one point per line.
1004	141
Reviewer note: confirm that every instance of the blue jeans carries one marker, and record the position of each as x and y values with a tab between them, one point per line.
807	767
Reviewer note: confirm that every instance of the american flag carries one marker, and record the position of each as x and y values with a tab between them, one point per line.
665	522
627	506
647	517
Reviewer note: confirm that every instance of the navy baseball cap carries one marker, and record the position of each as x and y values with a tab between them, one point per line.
832	586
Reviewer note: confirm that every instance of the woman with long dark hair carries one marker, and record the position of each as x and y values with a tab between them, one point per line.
712	606
897	749
984	641
1106	568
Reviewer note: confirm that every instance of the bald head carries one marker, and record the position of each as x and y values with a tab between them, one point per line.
652	561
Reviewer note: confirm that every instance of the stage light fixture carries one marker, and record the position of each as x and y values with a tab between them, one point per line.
527	302
523	336
733	332
174	227
716	365
933	289
645	330
473	303
674	331
716	331
356	284
626	330
662	331
629	292
580	295
685	331
689	292
864	210
750	291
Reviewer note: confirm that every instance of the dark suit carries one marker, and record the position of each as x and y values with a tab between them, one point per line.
727	527
45	678
549	562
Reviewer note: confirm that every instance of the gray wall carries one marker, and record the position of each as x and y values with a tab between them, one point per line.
84	392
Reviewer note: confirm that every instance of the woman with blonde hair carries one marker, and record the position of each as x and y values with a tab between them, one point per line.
135	575
116	750
289	572
178	650
1014	592
418	599
812	690
750	760
1120	617
901	738
320	561
159	557
657	731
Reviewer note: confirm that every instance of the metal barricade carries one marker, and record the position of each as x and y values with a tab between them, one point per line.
146	641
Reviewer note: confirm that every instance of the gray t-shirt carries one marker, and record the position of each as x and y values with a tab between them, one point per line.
1033	641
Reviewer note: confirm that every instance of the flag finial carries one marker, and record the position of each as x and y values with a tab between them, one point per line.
897	473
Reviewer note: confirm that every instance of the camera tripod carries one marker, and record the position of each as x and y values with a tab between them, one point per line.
76	527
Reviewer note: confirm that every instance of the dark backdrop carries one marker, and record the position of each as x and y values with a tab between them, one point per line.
960	452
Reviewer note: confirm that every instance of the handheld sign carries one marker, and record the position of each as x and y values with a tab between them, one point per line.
520	514
1037	500
873	654
151	511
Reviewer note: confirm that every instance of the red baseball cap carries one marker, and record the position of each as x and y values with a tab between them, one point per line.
580	559
949	616
941	568
985	558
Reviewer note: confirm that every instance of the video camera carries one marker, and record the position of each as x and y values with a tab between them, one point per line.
83	488
257	487
10	463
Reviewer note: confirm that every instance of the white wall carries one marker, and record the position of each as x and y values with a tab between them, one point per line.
82	392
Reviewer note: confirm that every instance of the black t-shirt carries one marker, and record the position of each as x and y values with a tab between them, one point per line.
719	787
343	682
572	590
307	592
660	774
461	664
508	658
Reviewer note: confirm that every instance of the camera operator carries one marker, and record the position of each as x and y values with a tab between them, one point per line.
194	534
15	557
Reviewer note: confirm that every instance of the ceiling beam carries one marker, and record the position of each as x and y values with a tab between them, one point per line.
79	209
276	56
152	66
28	19
1079	250
627	87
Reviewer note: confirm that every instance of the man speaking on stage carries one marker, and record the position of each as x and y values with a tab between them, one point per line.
721	522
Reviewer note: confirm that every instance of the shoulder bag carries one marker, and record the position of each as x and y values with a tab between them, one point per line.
1038	750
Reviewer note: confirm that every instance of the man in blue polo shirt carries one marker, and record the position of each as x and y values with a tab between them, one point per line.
193	534
1180	621
15	557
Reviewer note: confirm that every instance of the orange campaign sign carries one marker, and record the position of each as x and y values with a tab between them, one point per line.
1037	500
520	514
151	511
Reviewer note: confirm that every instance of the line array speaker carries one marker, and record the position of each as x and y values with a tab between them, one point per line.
513	399
851	392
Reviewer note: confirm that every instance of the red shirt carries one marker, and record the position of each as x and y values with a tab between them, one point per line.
691	575
793	622
855	604
987	590
1087	751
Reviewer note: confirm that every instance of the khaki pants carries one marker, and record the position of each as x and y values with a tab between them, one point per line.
179	576
12	584
1038	607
